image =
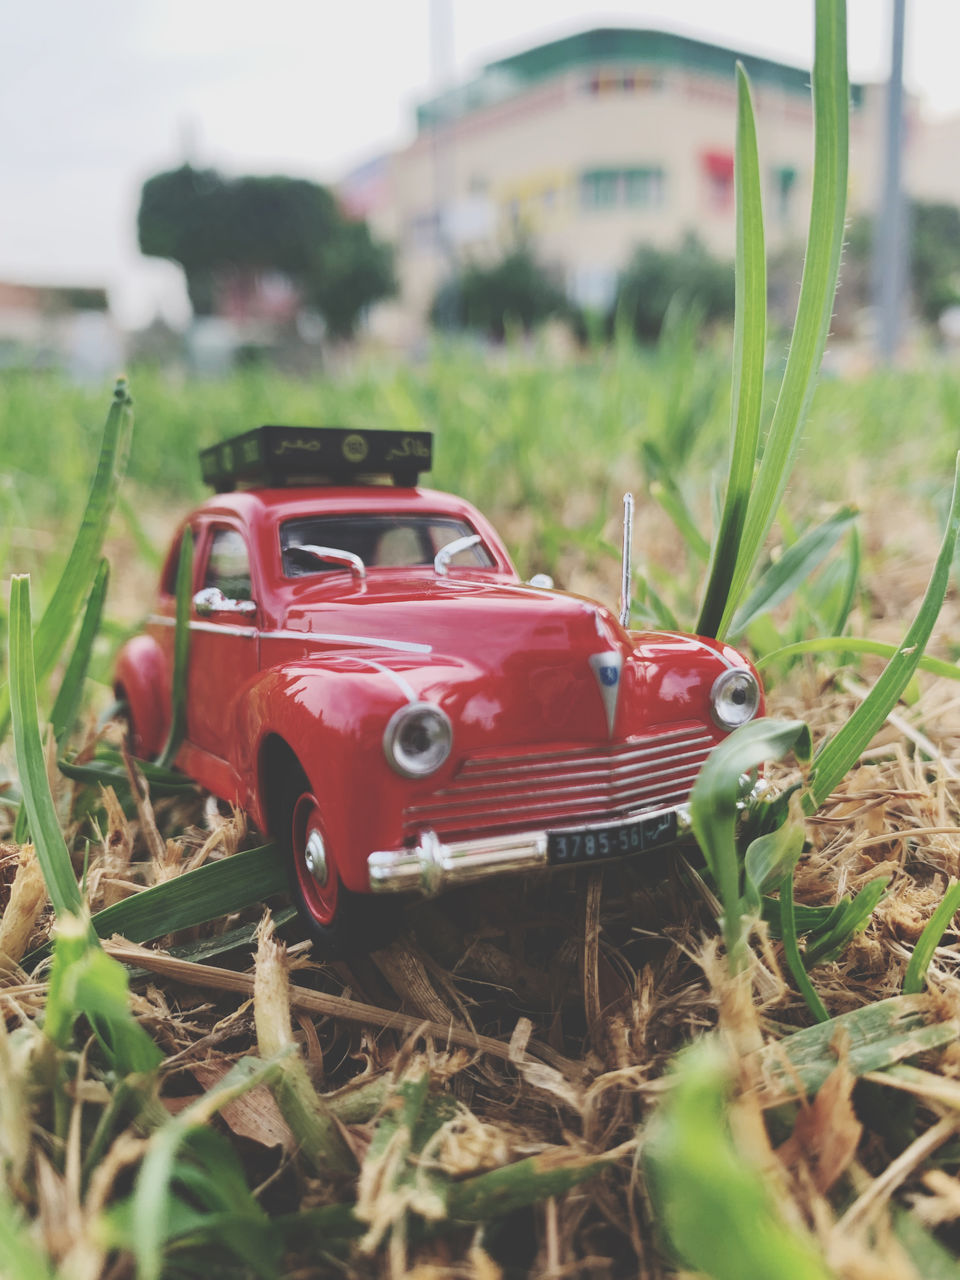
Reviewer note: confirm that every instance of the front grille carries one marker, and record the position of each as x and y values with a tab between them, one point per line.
559	788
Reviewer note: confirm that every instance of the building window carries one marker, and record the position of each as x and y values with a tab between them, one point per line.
638	80
718	174
784	179
600	188
423	230
643	188
635	188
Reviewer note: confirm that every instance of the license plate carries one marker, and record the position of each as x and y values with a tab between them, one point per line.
619	840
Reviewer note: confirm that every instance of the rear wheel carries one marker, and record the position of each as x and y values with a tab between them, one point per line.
340	921
123	714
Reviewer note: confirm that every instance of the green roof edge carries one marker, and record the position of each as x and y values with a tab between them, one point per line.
606	45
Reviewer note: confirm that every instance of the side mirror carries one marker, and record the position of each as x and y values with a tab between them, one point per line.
540	580
211	600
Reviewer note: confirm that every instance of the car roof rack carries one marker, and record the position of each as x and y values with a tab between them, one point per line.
277	456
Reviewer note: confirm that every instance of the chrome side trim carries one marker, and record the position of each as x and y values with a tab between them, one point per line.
370	642
403	685
702	644
227	629
432	865
216	628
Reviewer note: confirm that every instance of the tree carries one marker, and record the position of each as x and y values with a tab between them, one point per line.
489	298
934	257
212	225
655	277
352	270
934	250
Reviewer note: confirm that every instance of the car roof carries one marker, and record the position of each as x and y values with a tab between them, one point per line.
257	506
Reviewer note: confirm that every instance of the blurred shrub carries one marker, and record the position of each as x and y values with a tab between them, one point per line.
217	227
689	277
934	250
490	299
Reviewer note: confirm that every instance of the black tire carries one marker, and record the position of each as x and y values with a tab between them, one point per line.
339	921
124	717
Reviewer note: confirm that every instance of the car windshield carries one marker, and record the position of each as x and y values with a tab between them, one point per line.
381	541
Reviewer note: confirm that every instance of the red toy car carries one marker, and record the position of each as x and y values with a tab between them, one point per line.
370	679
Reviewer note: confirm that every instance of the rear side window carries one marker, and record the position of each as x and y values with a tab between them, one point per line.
168	582
228	565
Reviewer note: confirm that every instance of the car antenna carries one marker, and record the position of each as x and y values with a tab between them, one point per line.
627	570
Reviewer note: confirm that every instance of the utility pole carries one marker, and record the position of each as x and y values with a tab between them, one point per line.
890	239
441	66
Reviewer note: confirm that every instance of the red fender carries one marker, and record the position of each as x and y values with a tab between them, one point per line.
142	679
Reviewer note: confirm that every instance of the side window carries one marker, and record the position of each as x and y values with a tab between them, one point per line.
168	581
228	565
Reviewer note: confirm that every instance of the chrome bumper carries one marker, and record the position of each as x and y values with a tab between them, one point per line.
431	865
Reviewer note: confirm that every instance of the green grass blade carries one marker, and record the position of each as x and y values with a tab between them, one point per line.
851	585
791	950
85	980
493	1194
69	947
153	1192
20	1256
792	569
842	751
208	893
74	586
52	853
146	550
853	919
818	286
929	1257
915	978
807	919
181	652
104	772
671	500
710	1200
857	645
749	352
68	699
769	858
652	607
713	805
877	1035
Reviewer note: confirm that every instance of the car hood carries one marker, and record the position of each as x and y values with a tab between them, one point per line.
541	660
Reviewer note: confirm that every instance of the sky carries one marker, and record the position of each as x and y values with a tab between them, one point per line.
97	95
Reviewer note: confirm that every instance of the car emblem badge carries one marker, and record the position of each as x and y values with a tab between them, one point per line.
607	667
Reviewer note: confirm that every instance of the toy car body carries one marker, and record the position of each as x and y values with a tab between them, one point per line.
370	679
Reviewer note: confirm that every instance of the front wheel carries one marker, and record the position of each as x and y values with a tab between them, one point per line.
339	921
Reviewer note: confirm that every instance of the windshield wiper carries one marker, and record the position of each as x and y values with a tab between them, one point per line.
443	557
336	556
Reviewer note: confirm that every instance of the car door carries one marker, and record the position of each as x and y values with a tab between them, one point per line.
224	637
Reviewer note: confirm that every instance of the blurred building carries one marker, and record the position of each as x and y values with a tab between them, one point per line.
58	327
590	145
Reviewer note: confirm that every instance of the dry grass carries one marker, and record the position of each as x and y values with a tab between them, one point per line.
549	1014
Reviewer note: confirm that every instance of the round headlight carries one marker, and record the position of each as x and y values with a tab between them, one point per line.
734	698
417	739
